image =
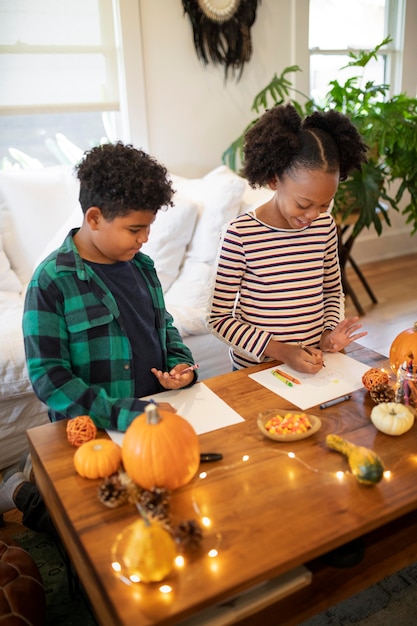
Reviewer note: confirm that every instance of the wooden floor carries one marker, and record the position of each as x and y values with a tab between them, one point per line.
394	283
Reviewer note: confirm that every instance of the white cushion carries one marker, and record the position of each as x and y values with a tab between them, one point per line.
170	234
8	278
188	298
74	220
13	374
254	197
33	205
218	195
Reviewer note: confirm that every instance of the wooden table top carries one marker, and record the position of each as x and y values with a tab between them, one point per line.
268	511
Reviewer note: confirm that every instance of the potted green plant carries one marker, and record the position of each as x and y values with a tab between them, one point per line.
388	125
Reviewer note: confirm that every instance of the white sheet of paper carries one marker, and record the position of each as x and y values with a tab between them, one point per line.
198	405
341	375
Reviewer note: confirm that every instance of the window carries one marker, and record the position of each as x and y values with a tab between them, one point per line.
60	83
337	27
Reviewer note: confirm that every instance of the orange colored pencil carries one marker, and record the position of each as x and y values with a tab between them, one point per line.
287	376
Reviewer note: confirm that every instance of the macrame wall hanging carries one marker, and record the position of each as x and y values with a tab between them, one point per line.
221	31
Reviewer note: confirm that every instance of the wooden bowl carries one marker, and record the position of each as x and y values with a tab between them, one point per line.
267	415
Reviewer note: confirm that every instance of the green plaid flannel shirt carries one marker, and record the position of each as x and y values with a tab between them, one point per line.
78	358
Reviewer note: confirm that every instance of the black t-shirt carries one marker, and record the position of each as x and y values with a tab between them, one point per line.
129	289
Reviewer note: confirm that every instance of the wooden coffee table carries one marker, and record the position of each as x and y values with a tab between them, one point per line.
269	512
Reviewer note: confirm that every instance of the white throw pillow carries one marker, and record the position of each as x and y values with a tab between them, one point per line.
254	197
73	221
8	278
218	195
33	205
170	234
188	298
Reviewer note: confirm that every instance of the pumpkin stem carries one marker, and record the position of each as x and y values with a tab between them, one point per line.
152	414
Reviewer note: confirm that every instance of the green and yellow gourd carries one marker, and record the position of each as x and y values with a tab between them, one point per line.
364	463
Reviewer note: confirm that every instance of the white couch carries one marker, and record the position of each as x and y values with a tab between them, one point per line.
38	208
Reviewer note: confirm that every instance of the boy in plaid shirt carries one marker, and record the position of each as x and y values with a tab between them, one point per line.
97	334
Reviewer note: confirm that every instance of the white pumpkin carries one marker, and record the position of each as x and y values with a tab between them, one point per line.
392	418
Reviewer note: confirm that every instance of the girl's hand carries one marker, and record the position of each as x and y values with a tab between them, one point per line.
295	356
343	335
174	379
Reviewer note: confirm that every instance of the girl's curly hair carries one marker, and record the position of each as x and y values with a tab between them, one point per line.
119	178
280	141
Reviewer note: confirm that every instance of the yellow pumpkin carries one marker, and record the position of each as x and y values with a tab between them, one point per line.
404	345
98	458
392	418
145	551
160	449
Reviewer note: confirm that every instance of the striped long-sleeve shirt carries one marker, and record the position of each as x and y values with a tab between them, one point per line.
79	358
275	284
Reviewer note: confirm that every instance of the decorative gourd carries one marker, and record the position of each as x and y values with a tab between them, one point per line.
160	449
364	463
403	345
98	458
145	551
392	418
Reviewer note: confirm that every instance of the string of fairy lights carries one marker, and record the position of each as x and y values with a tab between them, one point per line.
213	550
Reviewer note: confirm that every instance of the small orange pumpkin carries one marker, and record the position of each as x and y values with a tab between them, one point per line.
98	458
160	449
404	345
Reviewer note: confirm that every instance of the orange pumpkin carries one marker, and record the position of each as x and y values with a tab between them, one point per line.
160	449
404	345
98	458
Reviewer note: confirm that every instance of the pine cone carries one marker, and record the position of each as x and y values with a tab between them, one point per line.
112	492
132	490
155	501
188	535
382	393
155	498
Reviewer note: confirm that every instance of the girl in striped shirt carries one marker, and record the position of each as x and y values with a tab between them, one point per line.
278	284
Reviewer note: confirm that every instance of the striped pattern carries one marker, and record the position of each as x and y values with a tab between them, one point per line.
271	283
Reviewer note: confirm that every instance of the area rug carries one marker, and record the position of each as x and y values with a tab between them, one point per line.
64	607
393	601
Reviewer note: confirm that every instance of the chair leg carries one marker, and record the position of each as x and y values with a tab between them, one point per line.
363	280
348	291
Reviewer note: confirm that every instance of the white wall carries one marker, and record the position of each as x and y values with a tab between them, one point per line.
193	113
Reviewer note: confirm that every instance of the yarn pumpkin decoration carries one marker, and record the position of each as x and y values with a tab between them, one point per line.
160	449
403	348
373	377
81	429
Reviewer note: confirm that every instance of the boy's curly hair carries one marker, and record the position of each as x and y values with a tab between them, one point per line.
119	178
281	141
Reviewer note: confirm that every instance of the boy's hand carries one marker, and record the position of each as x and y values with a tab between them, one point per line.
175	379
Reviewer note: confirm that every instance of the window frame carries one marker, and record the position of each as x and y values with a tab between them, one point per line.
392	54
